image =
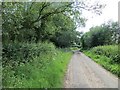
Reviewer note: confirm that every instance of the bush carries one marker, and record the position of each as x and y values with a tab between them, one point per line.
106	56
110	51
33	65
17	53
38	73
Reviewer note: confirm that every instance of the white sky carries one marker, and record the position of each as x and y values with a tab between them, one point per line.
110	12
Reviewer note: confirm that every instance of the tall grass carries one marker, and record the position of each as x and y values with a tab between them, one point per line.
110	51
107	56
44	70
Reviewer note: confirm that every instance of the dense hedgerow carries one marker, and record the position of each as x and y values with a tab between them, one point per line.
17	53
110	51
107	56
34	66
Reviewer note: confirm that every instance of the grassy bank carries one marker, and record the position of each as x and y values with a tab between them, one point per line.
106	56
45	68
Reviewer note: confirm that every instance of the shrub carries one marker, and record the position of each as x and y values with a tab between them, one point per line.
38	73
110	51
17	53
107	56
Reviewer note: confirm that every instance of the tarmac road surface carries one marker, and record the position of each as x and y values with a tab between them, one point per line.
85	73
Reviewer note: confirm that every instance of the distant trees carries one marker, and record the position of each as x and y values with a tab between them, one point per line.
105	34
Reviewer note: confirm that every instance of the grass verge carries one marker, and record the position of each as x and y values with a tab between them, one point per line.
44	71
105	62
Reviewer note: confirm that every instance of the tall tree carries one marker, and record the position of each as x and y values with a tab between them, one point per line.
33	21
104	34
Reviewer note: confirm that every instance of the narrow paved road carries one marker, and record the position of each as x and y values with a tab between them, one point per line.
84	73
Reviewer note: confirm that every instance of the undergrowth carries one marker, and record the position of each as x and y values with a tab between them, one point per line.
44	70
106	56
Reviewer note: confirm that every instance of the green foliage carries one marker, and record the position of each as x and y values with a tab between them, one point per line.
110	51
28	63
74	48
32	22
40	21
105	34
65	39
38	73
17	53
107	56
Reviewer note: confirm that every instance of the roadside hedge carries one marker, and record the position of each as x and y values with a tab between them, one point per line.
110	51
17	53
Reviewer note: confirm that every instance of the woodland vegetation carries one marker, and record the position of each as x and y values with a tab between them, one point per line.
37	37
102	45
